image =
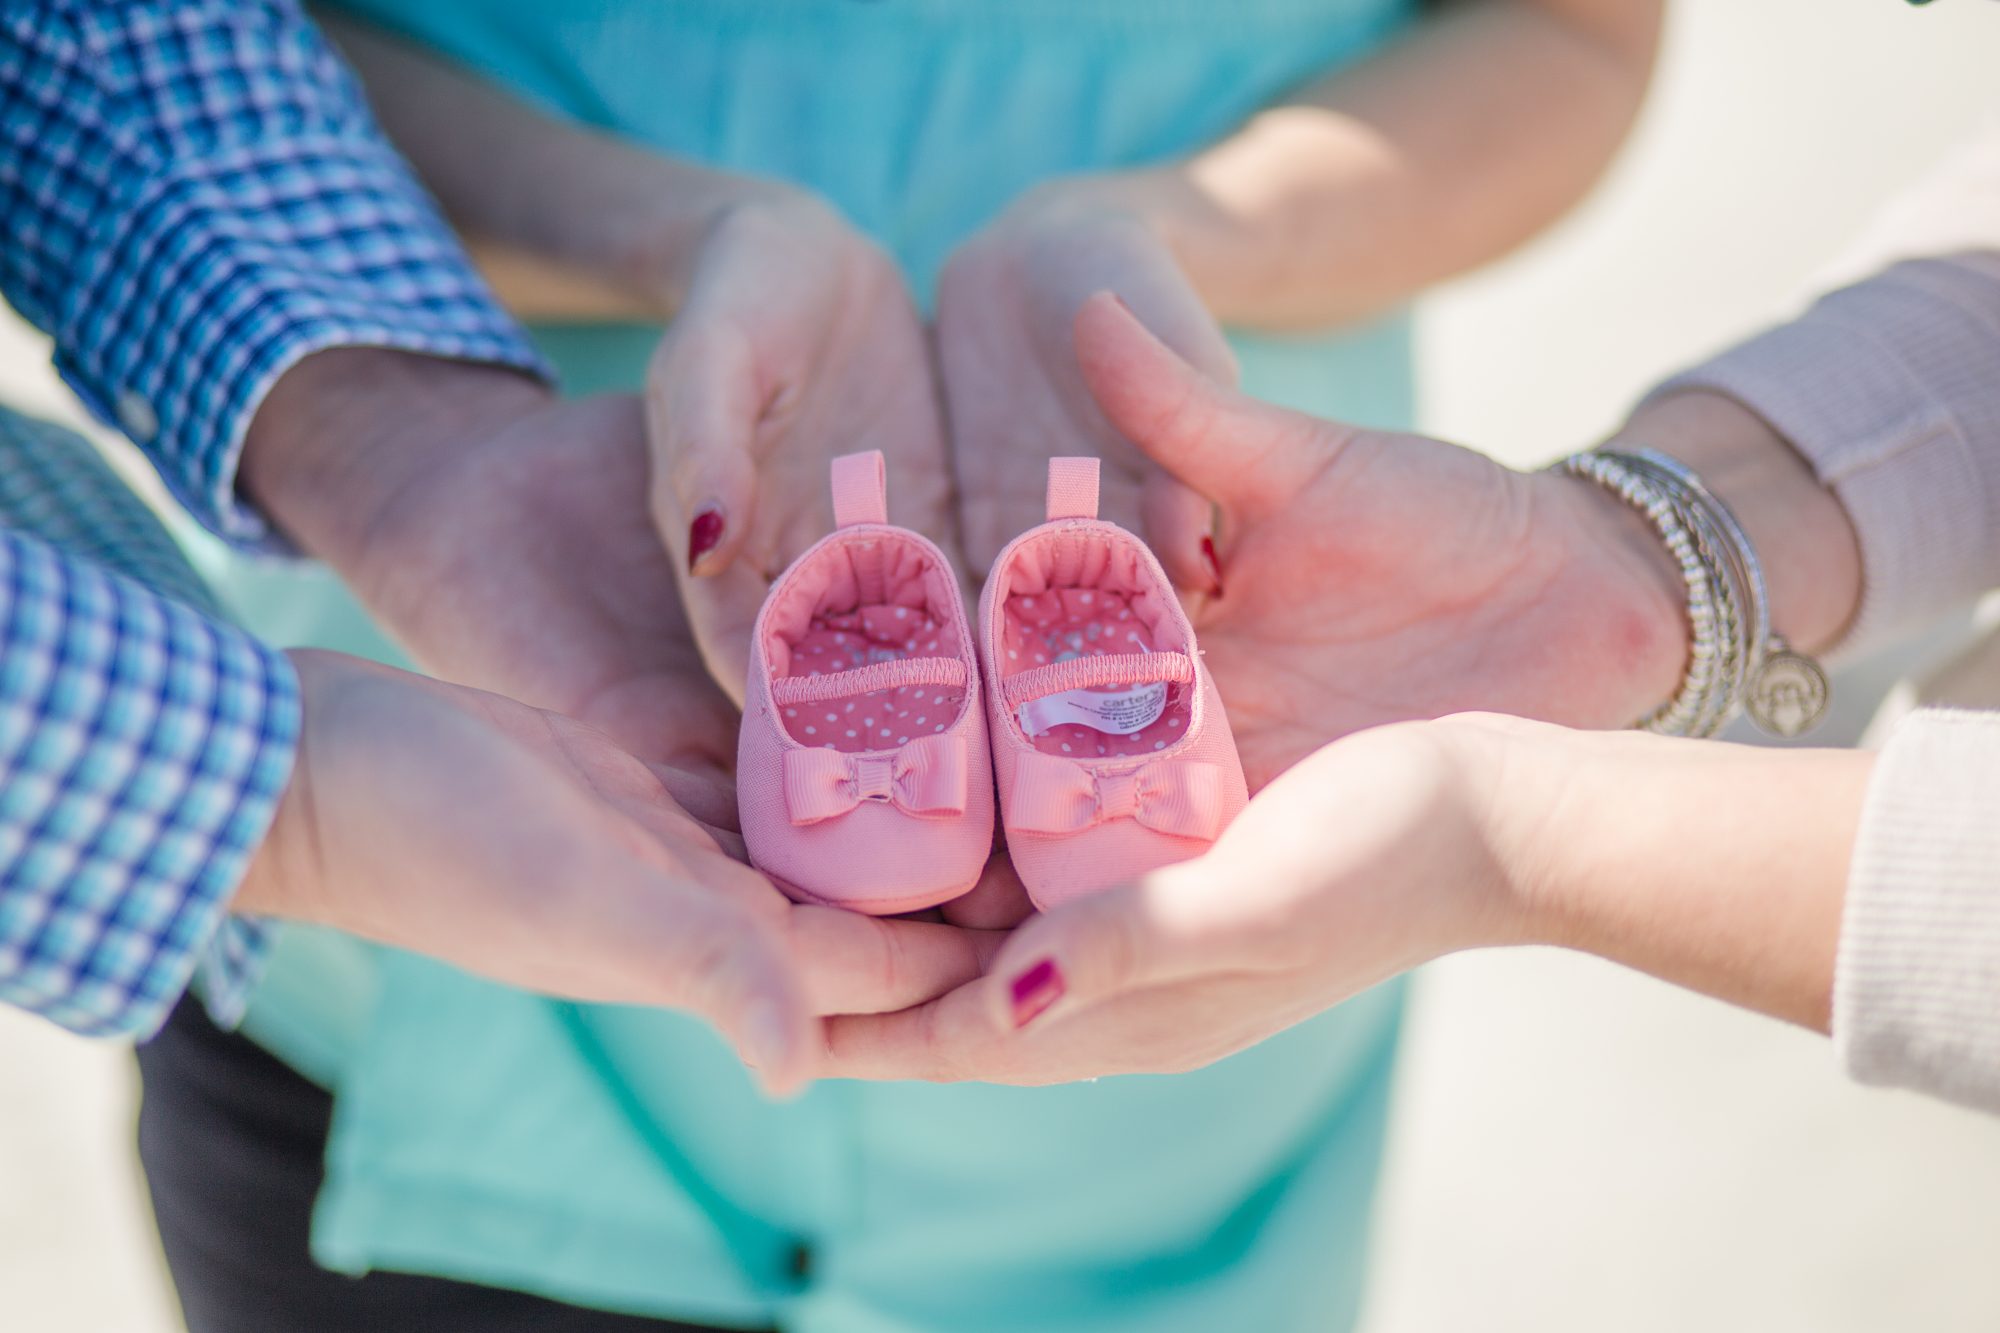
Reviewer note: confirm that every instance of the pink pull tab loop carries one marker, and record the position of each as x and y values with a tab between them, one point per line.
860	489
1072	488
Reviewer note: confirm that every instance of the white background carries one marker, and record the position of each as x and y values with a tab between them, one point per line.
1576	1148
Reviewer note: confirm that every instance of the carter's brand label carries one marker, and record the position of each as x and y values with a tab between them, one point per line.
1119	713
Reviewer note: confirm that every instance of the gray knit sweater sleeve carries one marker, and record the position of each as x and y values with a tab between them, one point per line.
1916	999
1890	387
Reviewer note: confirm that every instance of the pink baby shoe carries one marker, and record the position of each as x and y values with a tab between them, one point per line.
862	771
1113	752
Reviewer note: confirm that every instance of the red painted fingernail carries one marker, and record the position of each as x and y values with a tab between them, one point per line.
1035	990
1214	565
703	534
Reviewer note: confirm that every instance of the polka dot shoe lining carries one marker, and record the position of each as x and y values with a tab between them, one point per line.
1061	624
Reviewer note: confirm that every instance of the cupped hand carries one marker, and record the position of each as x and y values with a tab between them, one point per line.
1006	304
797	342
503	537
523	846
1380	852
1369	577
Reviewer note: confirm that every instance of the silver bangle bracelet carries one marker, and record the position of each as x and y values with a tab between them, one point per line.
1735	660
1784	691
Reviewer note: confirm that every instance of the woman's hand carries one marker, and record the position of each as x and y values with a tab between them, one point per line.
1378	853
792	339
1370	578
1006	305
797	342
1721	868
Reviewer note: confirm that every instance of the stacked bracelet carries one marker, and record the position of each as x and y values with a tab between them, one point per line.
1735	660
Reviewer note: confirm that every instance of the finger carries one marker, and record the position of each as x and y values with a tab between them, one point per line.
854	964
707	798
733	968
702	410
1169	927
999	901
1180	526
728	840
1158	1030
1245	455
945	1041
722	611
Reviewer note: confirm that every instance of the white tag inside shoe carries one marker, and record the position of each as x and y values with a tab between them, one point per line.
1118	713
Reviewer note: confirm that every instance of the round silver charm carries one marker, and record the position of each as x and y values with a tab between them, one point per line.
1788	694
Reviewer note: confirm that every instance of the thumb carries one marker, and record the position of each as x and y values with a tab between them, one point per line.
1245	455
722	614
702	410
724	964
1180	526
1162	929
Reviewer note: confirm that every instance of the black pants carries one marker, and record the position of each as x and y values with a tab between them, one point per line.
232	1141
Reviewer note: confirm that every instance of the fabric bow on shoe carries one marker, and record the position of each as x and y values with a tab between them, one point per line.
1179	797
926	777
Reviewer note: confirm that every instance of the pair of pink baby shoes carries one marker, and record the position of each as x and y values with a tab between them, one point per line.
866	768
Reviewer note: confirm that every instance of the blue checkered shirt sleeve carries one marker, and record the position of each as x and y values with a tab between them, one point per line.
143	749
193	197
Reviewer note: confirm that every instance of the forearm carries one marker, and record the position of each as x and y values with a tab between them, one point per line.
1441	153
1721	868
568	222
346	433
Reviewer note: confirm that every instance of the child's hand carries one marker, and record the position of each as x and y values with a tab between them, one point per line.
797	342
1006	305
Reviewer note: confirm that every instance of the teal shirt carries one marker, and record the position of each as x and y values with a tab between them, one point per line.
620	1158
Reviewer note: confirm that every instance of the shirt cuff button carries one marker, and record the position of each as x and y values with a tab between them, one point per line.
136	416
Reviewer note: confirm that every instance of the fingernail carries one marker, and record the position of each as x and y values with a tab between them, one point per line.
1035	990
1213	565
765	1042
703	533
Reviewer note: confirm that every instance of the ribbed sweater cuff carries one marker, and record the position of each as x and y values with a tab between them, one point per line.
1917	983
1885	387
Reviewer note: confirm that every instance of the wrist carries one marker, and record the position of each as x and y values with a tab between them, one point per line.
1207	244
347	432
282	878
1521	778
1719	867
1801	533
650	237
1647	596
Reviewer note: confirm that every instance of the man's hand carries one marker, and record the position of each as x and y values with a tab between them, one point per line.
499	534
1006	305
504	538
1370	577
526	847
523	846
